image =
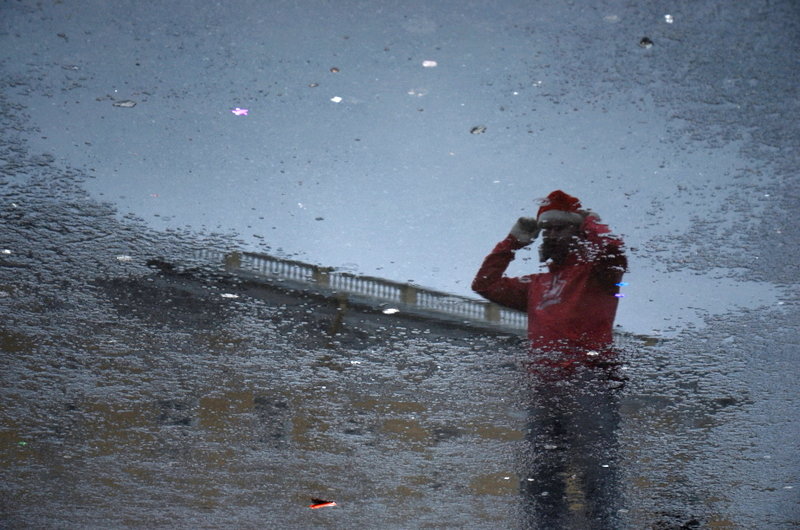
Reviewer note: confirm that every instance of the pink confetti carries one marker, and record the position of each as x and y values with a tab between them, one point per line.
239	112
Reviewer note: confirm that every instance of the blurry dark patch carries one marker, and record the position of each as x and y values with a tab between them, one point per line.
274	420
176	412
354	431
725	402
14	342
267	403
360	424
674	521
445	433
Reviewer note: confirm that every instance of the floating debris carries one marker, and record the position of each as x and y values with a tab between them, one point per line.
390	311
229	295
313	85
646	42
668	19
429	64
336	99
334	70
124	258
125	104
240	112
478	129
320	503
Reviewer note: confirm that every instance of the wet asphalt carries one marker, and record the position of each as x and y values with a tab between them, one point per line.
138	398
132	397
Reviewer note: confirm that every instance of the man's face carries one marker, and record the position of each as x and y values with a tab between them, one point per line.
558	238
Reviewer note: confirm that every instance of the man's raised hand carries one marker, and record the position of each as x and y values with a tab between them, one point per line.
525	230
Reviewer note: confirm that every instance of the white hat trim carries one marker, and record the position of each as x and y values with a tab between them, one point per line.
560	216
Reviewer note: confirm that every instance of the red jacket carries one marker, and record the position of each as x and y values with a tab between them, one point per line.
571	307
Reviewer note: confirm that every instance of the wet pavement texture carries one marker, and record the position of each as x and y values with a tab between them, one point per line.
137	397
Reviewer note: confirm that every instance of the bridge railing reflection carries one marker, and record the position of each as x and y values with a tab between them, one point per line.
411	298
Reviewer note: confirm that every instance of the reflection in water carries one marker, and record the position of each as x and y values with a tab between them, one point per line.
569	477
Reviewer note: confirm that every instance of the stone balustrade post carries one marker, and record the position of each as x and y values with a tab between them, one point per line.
233	261
408	294
492	312
322	276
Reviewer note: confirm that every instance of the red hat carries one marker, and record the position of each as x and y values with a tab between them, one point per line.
559	206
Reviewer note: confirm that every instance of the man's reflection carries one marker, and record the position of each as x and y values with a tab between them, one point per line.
570	475
569	467
574	302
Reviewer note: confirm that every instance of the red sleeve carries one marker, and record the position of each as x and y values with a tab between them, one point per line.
606	250
492	285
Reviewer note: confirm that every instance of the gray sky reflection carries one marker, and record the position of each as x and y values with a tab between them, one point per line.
389	181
